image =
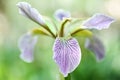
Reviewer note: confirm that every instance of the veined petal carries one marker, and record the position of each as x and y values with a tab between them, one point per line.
26	10
26	45
60	14
96	46
67	54
98	21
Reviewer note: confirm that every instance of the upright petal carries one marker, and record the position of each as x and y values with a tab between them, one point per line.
98	21
96	46
60	14
67	54
26	45
26	10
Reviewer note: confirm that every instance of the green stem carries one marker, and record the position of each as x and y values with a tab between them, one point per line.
68	77
61	34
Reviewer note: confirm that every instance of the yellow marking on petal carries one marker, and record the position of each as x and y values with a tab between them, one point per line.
82	32
40	31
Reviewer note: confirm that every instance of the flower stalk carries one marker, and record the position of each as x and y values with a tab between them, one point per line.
68	77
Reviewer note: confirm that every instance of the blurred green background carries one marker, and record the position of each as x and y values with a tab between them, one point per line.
13	25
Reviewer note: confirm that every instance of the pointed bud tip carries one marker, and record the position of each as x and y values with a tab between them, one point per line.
61	14
21	4
28	11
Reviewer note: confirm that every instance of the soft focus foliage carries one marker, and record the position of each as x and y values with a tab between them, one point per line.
12	25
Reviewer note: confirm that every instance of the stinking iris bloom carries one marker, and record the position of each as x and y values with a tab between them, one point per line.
66	49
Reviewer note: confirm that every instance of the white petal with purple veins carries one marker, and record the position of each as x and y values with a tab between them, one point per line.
60	14
26	45
67	54
98	21
26	10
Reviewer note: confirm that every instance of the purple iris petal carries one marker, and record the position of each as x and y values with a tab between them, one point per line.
98	21
61	14
96	46
26	10
26	45
67	54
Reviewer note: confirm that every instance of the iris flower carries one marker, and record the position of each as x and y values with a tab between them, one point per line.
66	48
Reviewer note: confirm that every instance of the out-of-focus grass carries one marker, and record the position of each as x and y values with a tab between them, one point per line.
43	67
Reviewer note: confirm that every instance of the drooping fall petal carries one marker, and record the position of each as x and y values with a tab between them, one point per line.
98	21
26	10
67	54
96	46
26	45
60	14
